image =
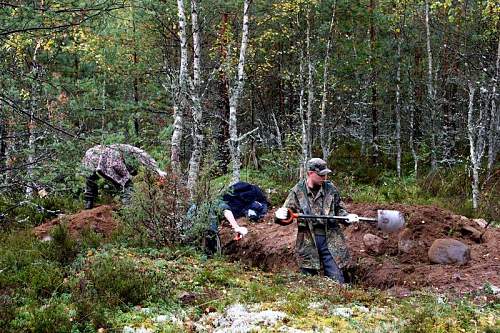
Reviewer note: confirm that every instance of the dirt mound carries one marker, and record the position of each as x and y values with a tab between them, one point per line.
403	265
99	220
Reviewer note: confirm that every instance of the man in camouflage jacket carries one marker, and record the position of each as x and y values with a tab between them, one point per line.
320	242
116	163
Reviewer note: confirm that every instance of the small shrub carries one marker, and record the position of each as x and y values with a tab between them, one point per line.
52	317
158	209
63	248
121	281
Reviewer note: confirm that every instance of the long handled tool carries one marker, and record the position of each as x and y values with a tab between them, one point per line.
386	220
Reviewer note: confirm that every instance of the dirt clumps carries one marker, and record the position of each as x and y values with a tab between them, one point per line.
99	220
398	262
402	262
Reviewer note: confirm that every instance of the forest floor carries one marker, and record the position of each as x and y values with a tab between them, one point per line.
400	266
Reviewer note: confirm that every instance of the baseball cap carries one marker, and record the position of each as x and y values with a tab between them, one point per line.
318	165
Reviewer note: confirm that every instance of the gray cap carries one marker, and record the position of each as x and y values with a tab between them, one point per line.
318	165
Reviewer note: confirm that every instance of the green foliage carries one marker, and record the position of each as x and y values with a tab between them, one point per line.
120	280
55	316
63	248
158	209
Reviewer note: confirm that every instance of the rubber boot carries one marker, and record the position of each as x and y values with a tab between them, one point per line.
91	190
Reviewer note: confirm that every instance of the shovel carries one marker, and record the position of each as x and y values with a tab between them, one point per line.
386	220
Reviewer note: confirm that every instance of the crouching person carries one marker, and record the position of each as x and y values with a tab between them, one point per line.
117	163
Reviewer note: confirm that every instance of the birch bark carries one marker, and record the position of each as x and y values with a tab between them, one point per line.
196	108
234	93
430	89
310	87
325	146
494	116
398	108
305	138
34	73
476	131
180	92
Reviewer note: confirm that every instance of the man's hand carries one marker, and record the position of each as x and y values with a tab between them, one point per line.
281	213
241	230
352	218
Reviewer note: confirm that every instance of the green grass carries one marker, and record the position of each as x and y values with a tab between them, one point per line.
107	286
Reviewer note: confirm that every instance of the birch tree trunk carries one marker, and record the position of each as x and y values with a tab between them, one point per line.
180	92
374	92
196	108
34	73
430	89
398	109
325	145
413	145
476	133
234	93
305	138
278	132
494	116
310	87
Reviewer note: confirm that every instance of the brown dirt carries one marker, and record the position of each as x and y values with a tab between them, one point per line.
271	247
99	220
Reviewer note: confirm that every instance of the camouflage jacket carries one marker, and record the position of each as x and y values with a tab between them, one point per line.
111	161
326	202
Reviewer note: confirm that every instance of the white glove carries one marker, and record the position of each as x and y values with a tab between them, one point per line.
162	174
281	213
241	230
352	218
251	213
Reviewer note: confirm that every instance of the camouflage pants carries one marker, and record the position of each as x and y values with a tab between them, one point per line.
330	267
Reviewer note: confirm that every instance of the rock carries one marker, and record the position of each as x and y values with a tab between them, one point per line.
472	232
481	222
405	241
342	312
449	251
373	244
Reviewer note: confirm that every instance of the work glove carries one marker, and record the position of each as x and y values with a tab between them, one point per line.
281	213
352	218
241	230
252	215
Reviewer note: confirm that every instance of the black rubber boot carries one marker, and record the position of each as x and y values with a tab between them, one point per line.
91	190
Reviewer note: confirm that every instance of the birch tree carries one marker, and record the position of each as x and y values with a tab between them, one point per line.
235	91
398	106
196	108
310	86
324	141
430	89
180	92
494	116
476	136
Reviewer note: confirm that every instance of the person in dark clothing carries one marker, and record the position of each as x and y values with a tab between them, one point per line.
239	200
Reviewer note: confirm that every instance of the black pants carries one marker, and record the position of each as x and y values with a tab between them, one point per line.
92	190
330	267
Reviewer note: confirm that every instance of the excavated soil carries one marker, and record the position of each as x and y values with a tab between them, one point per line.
271	247
99	220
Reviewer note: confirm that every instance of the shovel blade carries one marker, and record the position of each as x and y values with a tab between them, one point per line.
390	220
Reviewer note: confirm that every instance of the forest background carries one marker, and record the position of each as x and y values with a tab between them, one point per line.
401	98
385	90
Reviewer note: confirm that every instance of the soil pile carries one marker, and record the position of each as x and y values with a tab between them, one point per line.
401	262
401	265
99	220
